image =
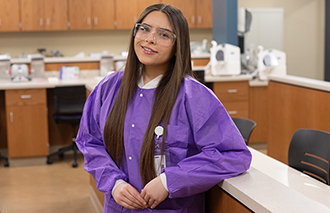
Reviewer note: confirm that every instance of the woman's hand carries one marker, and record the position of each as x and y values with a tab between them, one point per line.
128	197
154	192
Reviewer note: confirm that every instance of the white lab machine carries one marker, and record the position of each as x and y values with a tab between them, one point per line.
20	73
225	59
106	65
37	65
271	61
4	67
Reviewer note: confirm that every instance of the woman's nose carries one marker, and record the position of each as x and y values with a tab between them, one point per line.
151	38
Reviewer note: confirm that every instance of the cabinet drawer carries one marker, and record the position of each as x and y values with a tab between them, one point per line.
22	97
232	91
237	109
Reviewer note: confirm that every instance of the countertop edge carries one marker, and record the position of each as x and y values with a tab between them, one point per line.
301	81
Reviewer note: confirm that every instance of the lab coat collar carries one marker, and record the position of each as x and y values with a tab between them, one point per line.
151	84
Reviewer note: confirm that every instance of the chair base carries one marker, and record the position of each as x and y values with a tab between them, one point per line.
6	164
61	152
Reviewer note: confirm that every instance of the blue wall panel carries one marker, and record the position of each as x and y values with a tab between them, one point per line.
225	21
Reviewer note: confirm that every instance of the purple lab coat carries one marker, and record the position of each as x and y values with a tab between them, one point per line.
203	145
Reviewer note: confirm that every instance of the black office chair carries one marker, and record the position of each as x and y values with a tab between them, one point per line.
245	126
309	152
6	164
68	103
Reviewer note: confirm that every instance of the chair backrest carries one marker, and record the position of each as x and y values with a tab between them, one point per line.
309	152
245	126
69	99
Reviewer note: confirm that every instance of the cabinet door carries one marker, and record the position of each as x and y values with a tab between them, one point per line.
27	131
203	13
126	14
9	15
56	15
32	15
143	4
103	14
27	123
187	7
80	14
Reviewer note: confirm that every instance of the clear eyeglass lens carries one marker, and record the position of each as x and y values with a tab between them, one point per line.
161	36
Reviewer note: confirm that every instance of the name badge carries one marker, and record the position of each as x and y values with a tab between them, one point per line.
160	163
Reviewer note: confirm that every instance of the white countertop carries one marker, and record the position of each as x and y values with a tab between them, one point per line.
209	78
87	59
271	186
301	81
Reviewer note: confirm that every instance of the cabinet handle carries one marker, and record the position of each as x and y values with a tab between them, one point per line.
199	19
11	114
26	96
232	91
0	22
89	20
41	21
48	21
193	19
95	21
232	112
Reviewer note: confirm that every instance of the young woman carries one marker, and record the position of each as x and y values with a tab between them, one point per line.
153	137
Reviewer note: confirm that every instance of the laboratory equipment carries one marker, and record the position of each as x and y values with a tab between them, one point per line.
4	67
37	65
20	73
106	65
271	61
225	59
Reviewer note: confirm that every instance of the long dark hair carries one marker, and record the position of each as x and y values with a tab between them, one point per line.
164	98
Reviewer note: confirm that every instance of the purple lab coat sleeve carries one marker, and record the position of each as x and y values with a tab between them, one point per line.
221	150
90	142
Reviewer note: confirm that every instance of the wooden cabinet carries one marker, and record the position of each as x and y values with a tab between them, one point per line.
38	15
91	14
56	15
26	118
103	14
187	7
80	14
9	15
258	112
203	14
128	11
197	12
234	96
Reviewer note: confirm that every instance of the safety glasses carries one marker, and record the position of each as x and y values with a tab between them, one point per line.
161	36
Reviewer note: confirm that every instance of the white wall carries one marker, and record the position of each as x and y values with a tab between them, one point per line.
303	39
72	42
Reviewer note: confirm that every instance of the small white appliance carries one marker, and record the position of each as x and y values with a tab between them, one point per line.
20	73
37	66
106	65
271	61
4	67
225	59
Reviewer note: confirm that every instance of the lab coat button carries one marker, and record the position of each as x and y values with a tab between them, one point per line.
130	157
133	125
141	95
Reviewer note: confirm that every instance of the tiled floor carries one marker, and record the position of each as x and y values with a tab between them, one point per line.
56	188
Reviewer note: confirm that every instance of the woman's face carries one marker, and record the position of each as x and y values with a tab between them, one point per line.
151	43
